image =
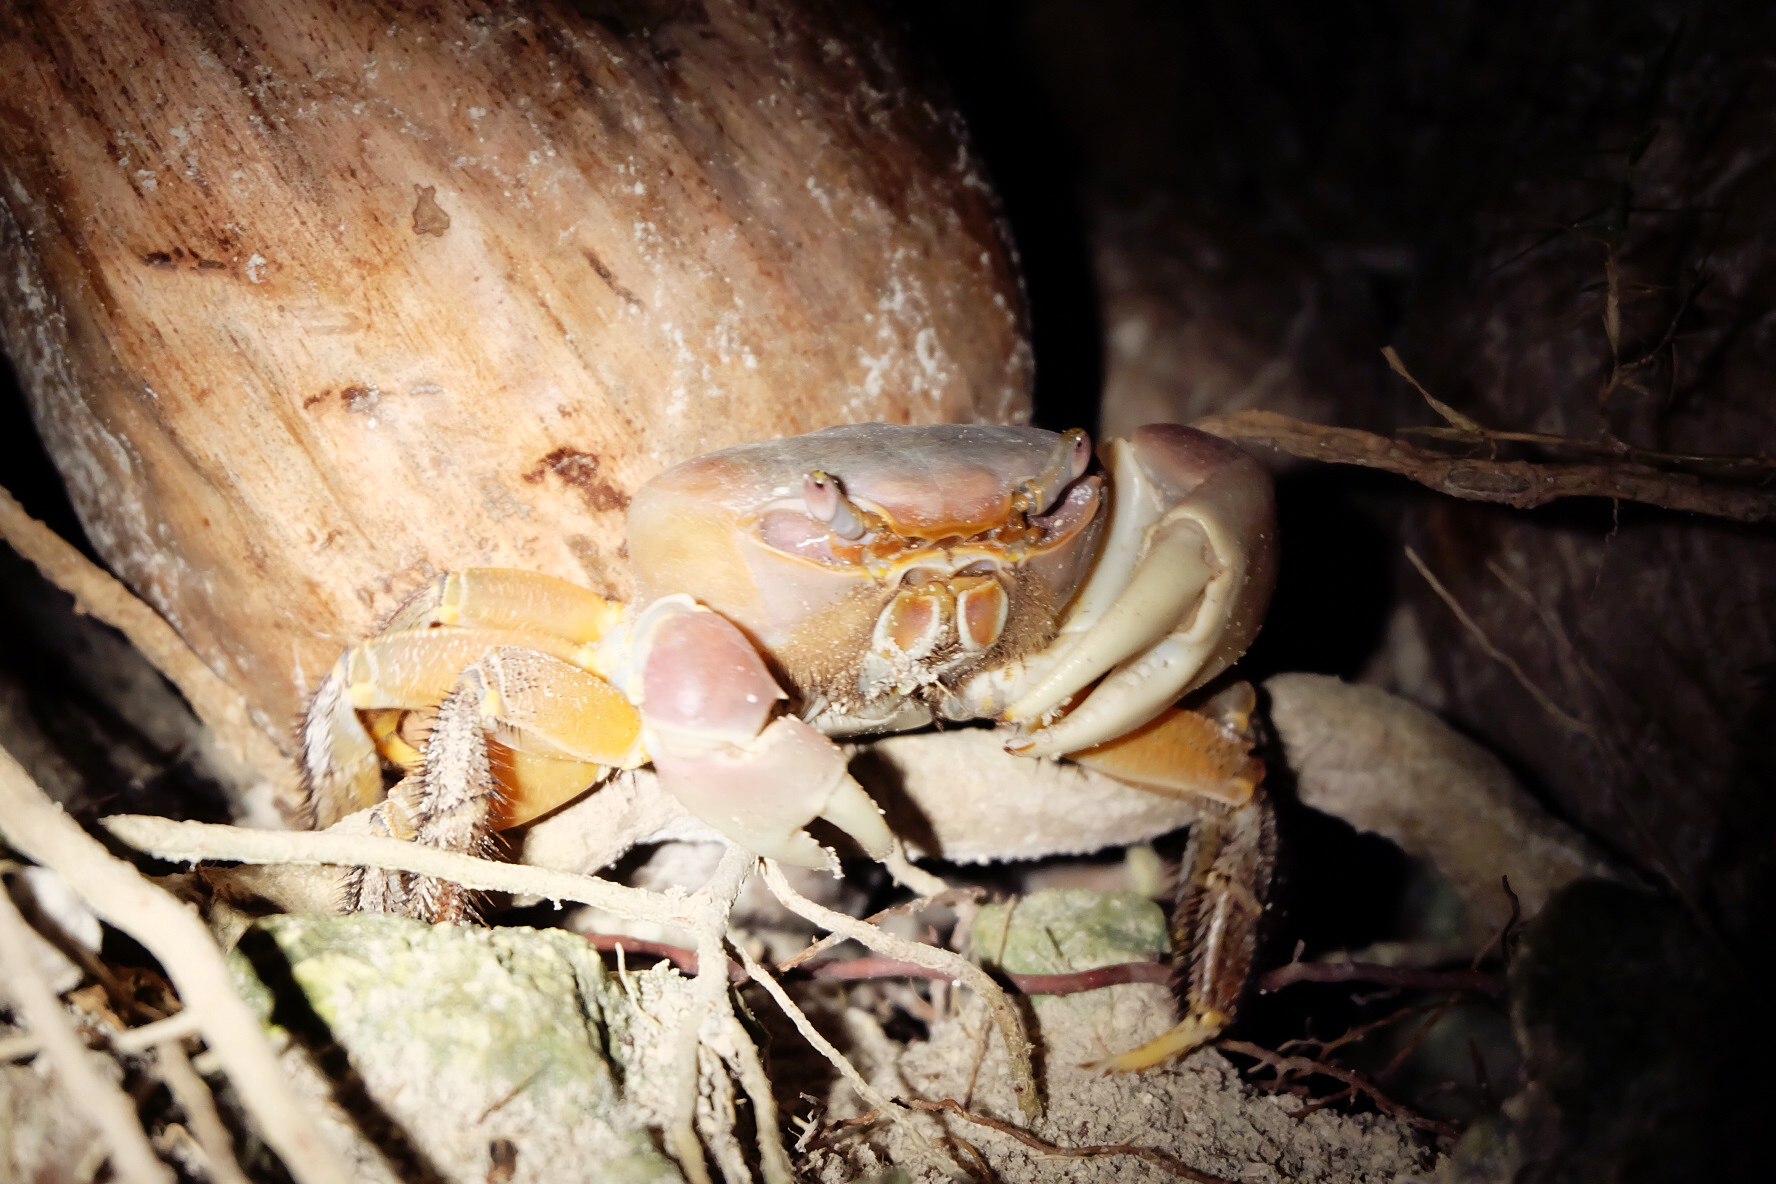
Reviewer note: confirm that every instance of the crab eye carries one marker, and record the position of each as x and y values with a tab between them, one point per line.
827	502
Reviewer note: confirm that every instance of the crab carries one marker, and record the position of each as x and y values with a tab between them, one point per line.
858	580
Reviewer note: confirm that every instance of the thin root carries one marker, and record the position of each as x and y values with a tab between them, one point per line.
1011	1028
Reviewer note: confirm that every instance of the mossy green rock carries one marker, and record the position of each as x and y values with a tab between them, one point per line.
462	1038
1063	930
1066	930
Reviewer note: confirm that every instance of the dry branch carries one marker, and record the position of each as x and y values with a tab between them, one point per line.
709	992
1566	720
101	1101
750	1068
846	970
190	842
870	1094
1285	1067
1522	484
193	1097
99	595
950	896
172	932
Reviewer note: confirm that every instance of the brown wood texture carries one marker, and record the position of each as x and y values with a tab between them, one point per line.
314	300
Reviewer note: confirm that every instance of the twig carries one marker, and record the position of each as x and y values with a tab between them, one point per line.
773	1156
100	1100
856	969
1284	1067
1492	651
980	1045
1372	972
1349	1036
172	932
1011	1028
1522	484
681	957
101	596
191	842
193	1097
845	970
133	1040
815	949
19	1047
878	1101
1356	1083
711	906
1154	1156
1504	936
175	1027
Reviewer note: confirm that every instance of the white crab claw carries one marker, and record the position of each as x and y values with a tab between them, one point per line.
706	702
1176	596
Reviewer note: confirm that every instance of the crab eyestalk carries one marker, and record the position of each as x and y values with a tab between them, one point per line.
827	502
1177	595
1071	458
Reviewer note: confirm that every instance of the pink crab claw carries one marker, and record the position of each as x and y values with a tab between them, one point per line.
1177	594
707	705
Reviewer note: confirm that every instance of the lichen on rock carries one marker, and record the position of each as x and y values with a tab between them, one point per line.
458	1045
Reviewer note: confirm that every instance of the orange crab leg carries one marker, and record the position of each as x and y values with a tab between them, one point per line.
1181	754
507	598
556	711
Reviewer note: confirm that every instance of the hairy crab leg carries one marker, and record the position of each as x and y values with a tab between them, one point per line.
1222	887
707	706
417	669
451	804
1177	594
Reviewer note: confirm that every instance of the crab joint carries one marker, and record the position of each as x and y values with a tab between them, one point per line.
827	502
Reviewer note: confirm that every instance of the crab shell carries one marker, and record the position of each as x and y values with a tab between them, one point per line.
977	537
990	577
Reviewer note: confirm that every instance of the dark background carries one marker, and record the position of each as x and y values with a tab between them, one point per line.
1237	203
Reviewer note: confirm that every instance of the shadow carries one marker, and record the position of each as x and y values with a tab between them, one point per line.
1018	134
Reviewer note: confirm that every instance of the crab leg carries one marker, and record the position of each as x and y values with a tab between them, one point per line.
1175	597
451	804
1222	887
508	598
707	703
533	685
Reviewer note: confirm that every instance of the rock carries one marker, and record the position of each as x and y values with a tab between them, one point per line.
441	1045
1063	930
1388	766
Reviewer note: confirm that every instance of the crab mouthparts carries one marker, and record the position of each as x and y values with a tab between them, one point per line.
935	611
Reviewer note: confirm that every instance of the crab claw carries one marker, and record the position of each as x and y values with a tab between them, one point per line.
707	703
1177	594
